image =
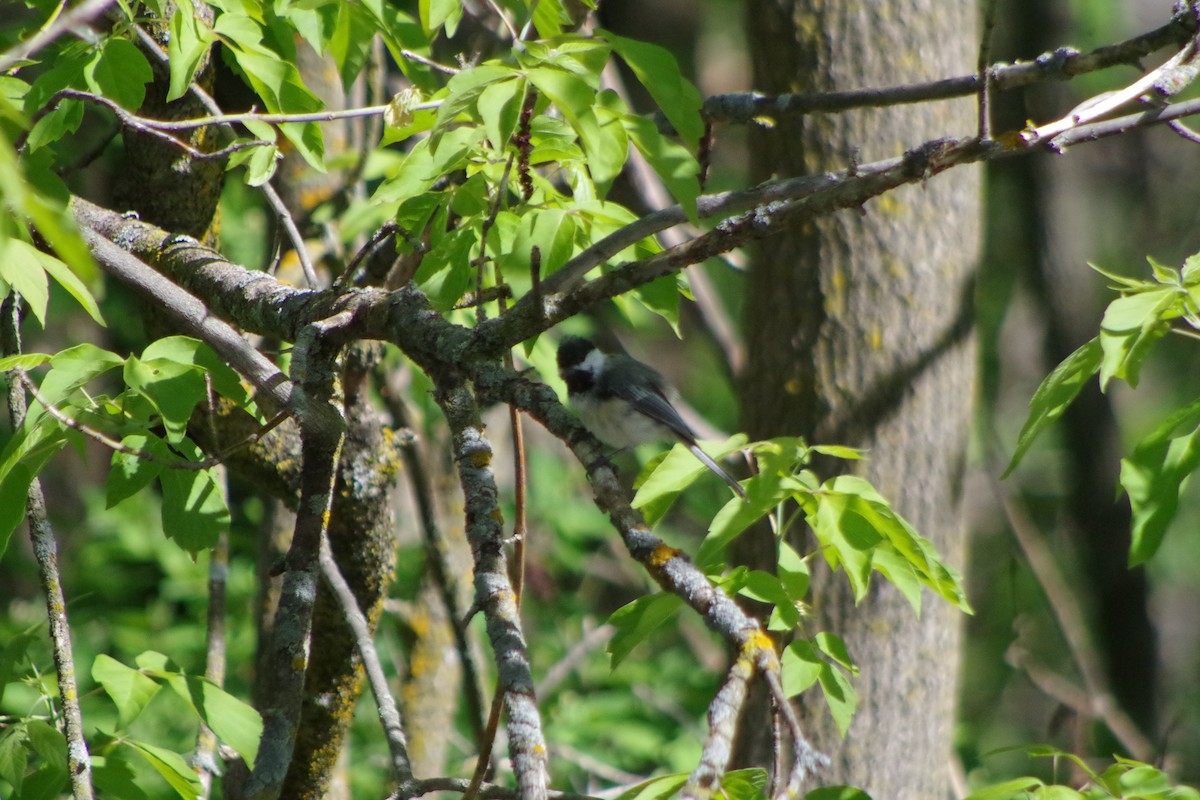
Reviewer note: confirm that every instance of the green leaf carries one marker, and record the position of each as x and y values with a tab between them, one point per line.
129	474
51	747
607	147
846	537
25	361
18	468
58	123
235	722
582	56
75	367
445	273
13	757
190	38
637	620
832	646
1131	325
1017	788
194	510
129	689
21	268
350	43
436	13
1154	478
1051	399
189	351
463	92
658	788
119	72
281	88
657	70
499	106
837	793
744	784
549	16
800	666
679	469
171	766
839	695
116	777
678	169
174	388
67	279
900	573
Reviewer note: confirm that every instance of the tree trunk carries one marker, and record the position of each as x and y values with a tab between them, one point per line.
859	332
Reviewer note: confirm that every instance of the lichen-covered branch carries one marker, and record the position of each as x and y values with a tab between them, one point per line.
320	416
45	552
494	594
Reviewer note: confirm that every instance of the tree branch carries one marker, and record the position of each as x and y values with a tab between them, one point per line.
1061	65
45	552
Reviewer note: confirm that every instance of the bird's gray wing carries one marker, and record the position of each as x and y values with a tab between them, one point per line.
648	395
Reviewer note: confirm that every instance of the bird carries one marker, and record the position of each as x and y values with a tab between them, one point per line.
624	402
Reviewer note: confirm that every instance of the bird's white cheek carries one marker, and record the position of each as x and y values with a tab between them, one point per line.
615	424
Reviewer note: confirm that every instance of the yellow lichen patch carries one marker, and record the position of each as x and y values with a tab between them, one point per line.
481	459
661	555
759	641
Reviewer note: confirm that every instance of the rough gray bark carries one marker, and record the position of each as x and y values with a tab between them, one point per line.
859	333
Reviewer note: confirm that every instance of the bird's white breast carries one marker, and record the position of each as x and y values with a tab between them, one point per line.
613	422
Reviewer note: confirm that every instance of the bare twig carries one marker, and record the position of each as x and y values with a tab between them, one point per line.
984	69
420	59
1099	700
1099	107
149	127
438	564
205	761
389	714
1060	65
273	198
596	637
72	22
723	713
45	551
717	320
120	447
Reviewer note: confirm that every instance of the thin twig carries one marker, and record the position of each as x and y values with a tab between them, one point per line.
143	125
558	672
1071	622
1059	65
45	551
439	565
120	447
984	69
499	12
273	198
389	714
1103	105
205	761
73	22
420	59
646	182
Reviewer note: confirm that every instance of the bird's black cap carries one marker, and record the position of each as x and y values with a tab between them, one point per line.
572	351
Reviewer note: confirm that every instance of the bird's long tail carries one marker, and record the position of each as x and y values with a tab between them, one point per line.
717	469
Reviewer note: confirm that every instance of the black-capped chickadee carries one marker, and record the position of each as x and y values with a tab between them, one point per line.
624	403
